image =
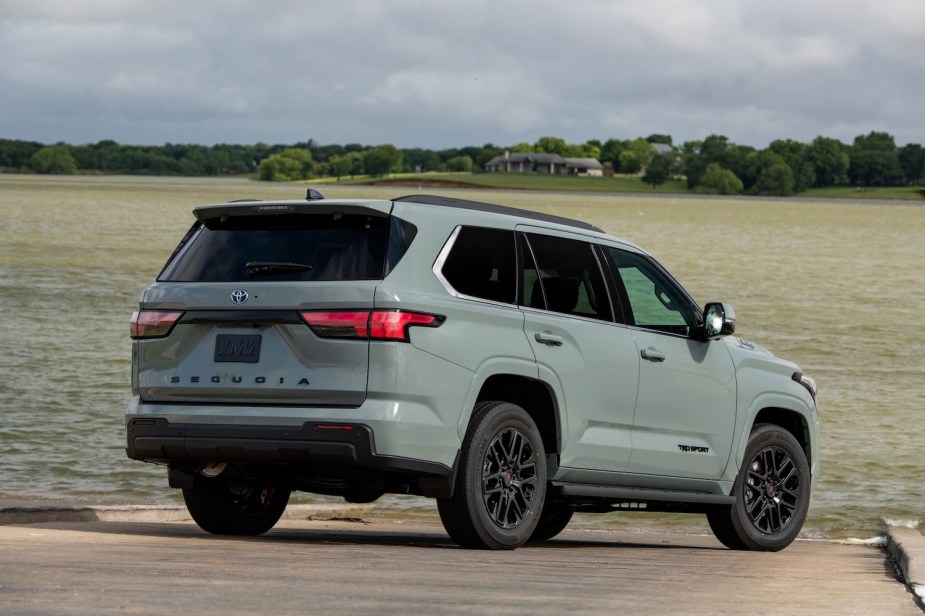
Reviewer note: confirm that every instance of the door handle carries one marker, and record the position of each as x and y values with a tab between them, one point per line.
549	339
651	354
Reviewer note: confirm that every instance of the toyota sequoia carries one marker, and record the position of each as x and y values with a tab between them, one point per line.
517	367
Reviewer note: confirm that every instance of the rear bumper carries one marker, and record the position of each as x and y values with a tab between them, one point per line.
311	444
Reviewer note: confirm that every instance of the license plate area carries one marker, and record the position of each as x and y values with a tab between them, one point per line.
240	348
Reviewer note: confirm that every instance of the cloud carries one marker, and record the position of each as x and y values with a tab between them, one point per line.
452	74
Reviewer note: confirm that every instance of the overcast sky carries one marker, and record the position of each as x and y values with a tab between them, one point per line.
447	74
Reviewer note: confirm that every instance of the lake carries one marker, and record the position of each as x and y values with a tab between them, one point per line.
835	286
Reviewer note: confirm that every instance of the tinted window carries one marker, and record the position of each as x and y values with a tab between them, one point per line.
333	246
481	264
655	301
565	277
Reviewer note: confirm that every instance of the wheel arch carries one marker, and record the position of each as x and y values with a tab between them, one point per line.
790	420
534	396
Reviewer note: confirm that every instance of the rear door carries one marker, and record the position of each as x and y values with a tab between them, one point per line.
570	325
246	283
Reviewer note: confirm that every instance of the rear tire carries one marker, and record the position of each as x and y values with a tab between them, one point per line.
501	483
772	494
228	507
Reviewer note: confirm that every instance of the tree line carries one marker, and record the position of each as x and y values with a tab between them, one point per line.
712	165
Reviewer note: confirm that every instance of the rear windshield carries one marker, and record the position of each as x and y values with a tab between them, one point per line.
284	247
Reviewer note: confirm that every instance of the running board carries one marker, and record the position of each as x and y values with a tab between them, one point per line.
620	493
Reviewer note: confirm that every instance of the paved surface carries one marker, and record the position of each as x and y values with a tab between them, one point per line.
907	547
343	567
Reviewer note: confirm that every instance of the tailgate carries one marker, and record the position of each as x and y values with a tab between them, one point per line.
219	352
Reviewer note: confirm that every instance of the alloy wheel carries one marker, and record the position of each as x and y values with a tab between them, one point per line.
509	479
772	489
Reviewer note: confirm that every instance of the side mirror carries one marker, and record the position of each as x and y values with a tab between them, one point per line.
718	320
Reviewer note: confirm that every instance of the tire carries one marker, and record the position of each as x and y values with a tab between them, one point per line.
501	481
224	507
772	494
553	520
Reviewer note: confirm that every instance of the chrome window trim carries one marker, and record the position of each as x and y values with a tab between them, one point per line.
444	254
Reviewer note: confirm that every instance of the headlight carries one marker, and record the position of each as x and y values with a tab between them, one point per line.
806	381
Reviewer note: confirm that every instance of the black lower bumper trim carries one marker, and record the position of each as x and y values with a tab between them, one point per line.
322	443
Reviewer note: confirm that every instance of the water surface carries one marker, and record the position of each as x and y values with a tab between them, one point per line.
834	286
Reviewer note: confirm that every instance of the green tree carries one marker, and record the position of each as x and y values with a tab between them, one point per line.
357	162
460	163
718	181
698	155
912	162
628	162
658	170
659	138
874	160
643	150
289	165
339	166
636	156
592	149
522	147
793	154
775	177
828	160
550	145
53	159
610	152
15	153
237	167
382	160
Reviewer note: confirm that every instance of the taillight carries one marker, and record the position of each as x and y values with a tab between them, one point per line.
370	324
338	324
394	324
153	323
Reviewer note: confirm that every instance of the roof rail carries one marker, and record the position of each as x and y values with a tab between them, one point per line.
496	209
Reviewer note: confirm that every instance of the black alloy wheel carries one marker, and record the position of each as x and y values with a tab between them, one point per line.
772	494
772	490
501	482
509	478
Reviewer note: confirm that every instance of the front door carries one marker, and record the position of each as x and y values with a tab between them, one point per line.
686	406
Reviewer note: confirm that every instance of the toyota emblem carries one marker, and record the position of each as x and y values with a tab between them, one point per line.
239	296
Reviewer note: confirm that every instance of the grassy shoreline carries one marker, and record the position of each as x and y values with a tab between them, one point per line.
614	184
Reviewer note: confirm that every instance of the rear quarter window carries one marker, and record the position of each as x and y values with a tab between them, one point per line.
482	264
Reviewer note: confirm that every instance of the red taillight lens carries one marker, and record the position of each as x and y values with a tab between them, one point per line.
370	324
341	324
153	323
394	324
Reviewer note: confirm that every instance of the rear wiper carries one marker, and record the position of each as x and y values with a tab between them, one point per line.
256	269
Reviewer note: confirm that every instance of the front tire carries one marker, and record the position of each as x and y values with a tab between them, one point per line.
772	494
553	520
231	507
501	483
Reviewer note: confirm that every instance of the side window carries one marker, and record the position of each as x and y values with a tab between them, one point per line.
655	301
563	275
482	264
